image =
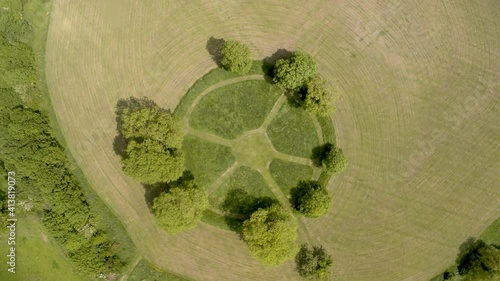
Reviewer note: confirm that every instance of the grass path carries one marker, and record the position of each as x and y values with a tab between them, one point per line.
138	257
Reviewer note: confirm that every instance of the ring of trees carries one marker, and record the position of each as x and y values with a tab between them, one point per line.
153	154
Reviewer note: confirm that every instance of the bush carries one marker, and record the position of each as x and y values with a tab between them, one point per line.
334	159
292	73
315	98
270	234
236	57
313	262
181	207
311	199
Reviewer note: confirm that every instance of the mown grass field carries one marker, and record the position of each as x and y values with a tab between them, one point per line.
234	109
292	132
418	119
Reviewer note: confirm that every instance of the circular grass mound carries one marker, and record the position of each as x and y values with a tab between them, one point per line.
247	144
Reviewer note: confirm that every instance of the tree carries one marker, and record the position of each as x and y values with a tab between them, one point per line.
270	234
152	123
333	158
315	98
311	199
313	262
236	57
181	207
154	139
292	73
150	161
480	262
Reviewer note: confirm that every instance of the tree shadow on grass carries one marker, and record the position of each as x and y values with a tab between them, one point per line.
238	206
214	48
154	190
269	62
468	252
318	153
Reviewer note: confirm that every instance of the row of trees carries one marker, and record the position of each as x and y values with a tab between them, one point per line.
153	155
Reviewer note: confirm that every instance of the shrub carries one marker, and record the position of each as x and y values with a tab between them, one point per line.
236	57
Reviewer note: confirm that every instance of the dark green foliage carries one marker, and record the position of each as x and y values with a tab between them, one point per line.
313	262
315	98
333	158
180	207
311	199
236	57
480	261
153	138
17	64
270	234
151	123
150	161
292	73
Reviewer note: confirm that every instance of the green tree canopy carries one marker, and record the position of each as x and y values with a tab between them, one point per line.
152	123
17	64
150	161
181	207
311	199
292	73
315	98
154	140
333	158
480	262
270	234
313	262
236	57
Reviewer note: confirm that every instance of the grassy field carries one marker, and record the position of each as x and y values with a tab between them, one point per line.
288	174
144	271
245	182
418	120
38	257
231	110
292	132
206	160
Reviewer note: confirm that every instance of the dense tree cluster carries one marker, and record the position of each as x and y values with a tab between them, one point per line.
154	141
311	199
270	234
299	74
236	57
313	262
181	206
333	158
30	148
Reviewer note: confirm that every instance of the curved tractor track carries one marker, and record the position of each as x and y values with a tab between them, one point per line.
418	119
